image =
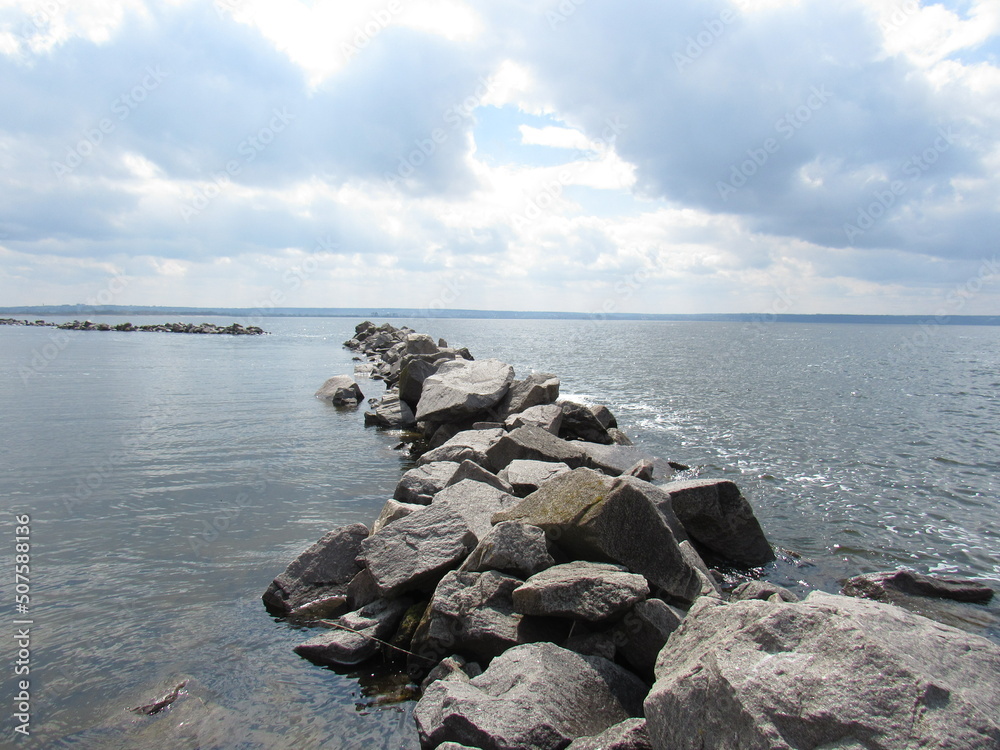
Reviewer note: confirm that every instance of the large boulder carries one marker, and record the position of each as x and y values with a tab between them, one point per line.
631	734
831	671
420	484
357	636
341	390
721	520
468	445
594	517
535	444
892	586
546	416
580	423
537	695
419	343
461	389
411	380
322	571
472	614
538	389
391	413
511	547
412	553
525	477
584	590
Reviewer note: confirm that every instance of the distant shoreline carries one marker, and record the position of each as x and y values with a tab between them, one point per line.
411	313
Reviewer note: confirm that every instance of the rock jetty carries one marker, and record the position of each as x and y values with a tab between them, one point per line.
233	329
548	585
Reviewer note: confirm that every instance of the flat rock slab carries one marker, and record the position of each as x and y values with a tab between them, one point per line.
461	389
525	477
533	443
585	590
546	416
594	517
532	696
412	553
322	571
341	390
827	672
888	586
467	445
511	547
720	519
355	637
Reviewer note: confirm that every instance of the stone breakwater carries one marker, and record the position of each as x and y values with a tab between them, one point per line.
545	584
234	329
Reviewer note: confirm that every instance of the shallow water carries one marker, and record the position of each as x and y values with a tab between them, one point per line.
171	477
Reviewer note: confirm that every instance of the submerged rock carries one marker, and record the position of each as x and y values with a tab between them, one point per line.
357	636
887	586
831	671
531	696
341	390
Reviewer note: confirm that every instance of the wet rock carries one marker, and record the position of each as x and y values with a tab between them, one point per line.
470	470
770	592
357	636
392	511
341	390
321	571
887	586
472	614
721	520
631	734
533	443
511	547
525	477
580	423
830	671
468	445
391	413
538	389
585	590
413	553
548	417
532	696
321	609
420	484
461	389
593	517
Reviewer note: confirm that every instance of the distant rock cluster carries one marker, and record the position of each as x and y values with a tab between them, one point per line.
550	585
234	329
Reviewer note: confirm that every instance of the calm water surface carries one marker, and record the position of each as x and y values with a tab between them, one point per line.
170	478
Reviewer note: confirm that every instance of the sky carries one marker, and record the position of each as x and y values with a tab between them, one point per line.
595	156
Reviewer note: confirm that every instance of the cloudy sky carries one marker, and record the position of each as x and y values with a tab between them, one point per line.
676	156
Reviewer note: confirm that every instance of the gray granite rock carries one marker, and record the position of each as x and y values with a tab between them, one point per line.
411	380
720	519
391	413
419	485
538	389
762	590
511	547
532	696
534	443
357	636
525	477
640	637
468	445
585	590
594	517
322	571
470	470
393	510
580	423
341	390
830	671
546	416
461	389
889	585
631	734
